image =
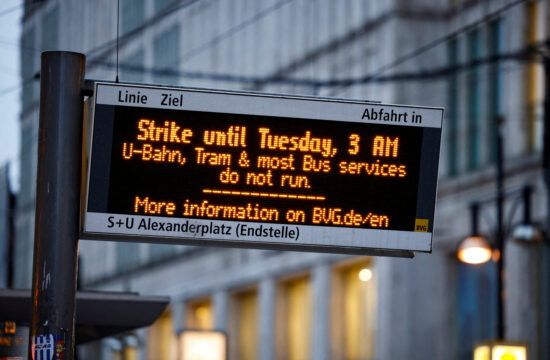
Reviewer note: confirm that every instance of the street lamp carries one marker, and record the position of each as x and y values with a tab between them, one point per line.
476	250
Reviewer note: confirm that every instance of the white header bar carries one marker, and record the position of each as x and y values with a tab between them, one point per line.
266	105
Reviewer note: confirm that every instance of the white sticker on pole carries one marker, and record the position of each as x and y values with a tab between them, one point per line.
43	347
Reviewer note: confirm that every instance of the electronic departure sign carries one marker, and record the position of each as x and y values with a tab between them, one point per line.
191	166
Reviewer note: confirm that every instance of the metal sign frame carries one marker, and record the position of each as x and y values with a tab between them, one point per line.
304	237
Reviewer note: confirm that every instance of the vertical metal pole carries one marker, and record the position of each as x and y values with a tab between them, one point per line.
499	241
546	141
57	204
474	212
526	195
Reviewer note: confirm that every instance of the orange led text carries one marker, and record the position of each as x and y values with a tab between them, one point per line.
336	216
375	169
149	153
276	162
212	158
385	146
309	163
306	143
169	132
263	194
147	206
234	136
248	212
295	181
259	179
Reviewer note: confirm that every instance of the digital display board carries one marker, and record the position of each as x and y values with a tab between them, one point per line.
179	165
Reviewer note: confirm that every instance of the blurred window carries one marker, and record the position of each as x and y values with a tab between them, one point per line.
293	319
50	30
166	55
131	69
200	316
127	256
162	342
354	312
132	14
476	305
161	4
535	100
452	110
161	251
27	183
494	87
129	353
28	56
243	326
127	348
24	240
473	102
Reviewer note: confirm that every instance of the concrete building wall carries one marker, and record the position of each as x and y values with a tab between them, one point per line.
6	213
315	39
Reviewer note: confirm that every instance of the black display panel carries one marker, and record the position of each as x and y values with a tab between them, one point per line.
258	170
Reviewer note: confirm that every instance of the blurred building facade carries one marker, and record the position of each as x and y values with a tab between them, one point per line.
7	204
289	305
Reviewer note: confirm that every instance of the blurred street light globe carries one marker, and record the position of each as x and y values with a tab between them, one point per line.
474	250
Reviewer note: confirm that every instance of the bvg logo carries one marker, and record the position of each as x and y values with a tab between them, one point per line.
421	225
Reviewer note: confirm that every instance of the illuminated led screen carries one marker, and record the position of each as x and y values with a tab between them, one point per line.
185	164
